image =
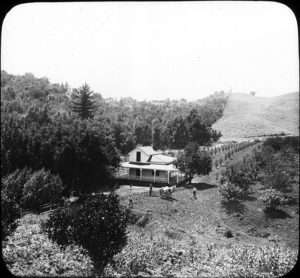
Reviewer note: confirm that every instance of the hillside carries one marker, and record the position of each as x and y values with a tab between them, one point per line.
245	115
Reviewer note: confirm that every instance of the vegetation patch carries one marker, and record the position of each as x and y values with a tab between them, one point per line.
29	252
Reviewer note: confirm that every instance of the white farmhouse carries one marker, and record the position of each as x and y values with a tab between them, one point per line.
147	165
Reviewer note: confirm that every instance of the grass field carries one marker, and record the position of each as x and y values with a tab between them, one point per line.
247	115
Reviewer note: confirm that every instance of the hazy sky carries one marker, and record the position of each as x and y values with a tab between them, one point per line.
156	50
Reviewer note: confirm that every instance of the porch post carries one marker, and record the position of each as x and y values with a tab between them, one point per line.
154	175
141	174
168	177
177	177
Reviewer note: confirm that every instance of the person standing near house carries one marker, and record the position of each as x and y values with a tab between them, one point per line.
150	190
130	203
195	192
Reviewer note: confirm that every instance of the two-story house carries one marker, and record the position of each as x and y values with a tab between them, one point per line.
147	165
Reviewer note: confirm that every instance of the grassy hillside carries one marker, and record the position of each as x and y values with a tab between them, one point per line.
247	115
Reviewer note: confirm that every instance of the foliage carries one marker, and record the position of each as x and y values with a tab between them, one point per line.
230	192
272	199
81	152
97	223
278	143
278	180
41	188
124	139
145	256
83	103
238	175
199	130
13	183
178	133
10	212
165	124
193	161
29	252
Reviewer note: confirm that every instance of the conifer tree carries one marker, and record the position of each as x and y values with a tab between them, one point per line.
83	102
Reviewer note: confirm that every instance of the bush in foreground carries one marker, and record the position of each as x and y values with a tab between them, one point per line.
272	199
29	252
97	223
10	212
144	256
230	192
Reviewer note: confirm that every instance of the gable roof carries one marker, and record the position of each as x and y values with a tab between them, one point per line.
147	150
160	158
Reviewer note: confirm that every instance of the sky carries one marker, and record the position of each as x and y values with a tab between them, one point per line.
156	50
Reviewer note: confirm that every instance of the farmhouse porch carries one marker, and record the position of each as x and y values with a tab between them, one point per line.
156	174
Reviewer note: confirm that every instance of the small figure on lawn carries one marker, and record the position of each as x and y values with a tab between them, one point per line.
222	180
130	203
150	190
195	192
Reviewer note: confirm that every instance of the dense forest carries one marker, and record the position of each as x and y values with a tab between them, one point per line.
164	123
41	127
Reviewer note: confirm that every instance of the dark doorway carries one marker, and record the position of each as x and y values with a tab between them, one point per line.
138	156
137	172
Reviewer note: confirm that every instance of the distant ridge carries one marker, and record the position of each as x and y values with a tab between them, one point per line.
246	115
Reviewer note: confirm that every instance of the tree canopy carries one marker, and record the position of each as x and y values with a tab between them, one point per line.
193	161
83	102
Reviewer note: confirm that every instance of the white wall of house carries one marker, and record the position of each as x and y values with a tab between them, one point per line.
132	156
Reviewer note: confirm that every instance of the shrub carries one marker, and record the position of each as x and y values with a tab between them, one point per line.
158	257
10	212
13	183
221	161
97	223
230	192
278	180
272	199
239	176
42	188
42	257
277	143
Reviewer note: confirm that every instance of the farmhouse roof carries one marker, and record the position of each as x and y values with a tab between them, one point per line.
160	158
148	150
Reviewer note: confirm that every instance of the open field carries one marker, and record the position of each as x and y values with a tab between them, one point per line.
246	115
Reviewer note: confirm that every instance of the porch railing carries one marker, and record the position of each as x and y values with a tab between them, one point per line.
126	176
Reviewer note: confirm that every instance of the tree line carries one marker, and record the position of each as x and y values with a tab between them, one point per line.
163	124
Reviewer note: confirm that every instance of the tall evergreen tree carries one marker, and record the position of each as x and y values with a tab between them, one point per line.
83	102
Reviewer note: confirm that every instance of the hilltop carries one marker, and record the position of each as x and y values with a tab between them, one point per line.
246	115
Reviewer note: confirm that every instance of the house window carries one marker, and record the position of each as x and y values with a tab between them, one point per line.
157	173
152	172
137	172
138	156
